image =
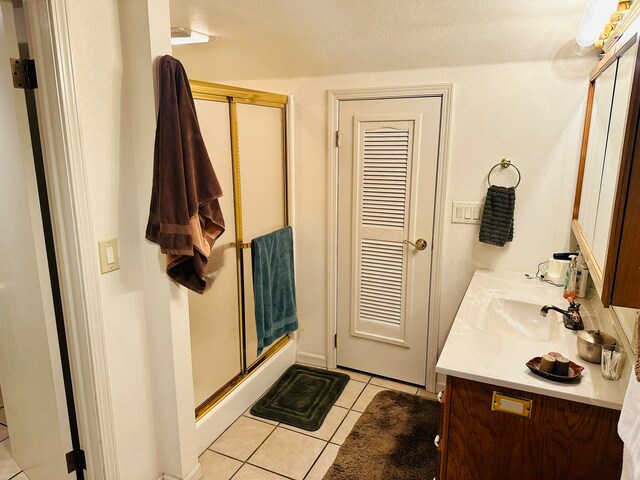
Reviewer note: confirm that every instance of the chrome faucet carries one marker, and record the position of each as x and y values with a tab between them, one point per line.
571	317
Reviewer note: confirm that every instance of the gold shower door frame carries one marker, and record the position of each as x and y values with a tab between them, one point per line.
233	95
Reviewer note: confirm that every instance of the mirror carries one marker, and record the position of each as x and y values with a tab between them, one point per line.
598	132
611	122
606	139
613	154
611	85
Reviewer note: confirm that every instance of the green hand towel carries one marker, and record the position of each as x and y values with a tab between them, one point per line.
274	286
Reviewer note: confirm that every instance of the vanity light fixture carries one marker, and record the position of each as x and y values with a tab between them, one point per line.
593	23
183	36
599	22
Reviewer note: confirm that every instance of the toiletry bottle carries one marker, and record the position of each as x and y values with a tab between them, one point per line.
570	277
578	279
581	288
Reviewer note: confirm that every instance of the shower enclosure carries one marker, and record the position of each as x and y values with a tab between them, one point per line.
245	134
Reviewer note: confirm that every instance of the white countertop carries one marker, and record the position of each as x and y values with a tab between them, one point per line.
498	329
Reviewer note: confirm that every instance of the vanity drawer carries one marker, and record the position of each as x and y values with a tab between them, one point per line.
556	439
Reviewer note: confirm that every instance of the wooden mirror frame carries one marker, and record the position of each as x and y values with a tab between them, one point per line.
604	280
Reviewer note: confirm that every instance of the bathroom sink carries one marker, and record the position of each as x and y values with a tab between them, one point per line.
501	315
498	328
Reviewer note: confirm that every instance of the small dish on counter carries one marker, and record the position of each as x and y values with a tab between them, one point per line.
575	370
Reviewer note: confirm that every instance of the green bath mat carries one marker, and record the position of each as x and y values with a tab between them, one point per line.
302	397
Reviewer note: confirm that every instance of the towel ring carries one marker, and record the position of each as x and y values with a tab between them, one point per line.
504	163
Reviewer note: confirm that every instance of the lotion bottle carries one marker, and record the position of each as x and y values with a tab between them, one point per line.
570	277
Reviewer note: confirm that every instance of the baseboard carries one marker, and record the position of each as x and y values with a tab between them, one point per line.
209	427
311	359
195	474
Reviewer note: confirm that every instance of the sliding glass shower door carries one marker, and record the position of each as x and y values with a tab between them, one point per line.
214	316
245	135
263	179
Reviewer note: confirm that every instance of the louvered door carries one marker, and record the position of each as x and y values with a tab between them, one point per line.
387	173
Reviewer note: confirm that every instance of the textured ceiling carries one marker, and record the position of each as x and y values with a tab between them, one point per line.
290	38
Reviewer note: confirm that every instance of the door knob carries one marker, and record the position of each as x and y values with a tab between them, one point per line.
420	244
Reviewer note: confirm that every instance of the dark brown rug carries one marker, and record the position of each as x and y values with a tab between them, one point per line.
393	439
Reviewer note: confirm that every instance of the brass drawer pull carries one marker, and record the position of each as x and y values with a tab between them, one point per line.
520	407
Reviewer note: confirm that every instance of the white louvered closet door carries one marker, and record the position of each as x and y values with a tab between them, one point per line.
387	175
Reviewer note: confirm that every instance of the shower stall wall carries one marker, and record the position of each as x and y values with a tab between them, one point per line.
245	134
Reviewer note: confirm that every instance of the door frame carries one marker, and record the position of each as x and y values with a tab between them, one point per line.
49	43
334	97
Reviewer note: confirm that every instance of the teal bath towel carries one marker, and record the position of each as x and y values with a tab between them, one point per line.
274	287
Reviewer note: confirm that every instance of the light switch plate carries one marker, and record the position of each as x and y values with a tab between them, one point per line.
466	212
109	255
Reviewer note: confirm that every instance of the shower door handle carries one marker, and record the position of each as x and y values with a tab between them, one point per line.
420	244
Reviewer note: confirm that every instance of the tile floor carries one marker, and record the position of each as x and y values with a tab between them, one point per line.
254	448
9	469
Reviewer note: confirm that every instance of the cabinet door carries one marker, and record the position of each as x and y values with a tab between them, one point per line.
626	281
561	440
443	430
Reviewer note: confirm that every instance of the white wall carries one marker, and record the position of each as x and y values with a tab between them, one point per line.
145	314
98	72
531	112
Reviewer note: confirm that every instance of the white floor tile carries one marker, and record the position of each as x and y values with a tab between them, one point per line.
350	394
360	377
250	472
8	467
323	463
289	453
366	396
218	467
329	426
345	428
393	385
4	433
242	438
20	476
3	418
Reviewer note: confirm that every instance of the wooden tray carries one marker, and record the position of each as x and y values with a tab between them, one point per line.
575	370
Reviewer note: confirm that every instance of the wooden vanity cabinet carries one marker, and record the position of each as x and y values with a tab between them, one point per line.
561	440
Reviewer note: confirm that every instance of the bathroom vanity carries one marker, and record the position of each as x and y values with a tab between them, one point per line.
499	420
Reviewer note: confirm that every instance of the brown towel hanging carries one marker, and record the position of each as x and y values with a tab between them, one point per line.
184	217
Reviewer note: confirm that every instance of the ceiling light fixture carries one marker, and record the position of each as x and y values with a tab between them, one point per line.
184	36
